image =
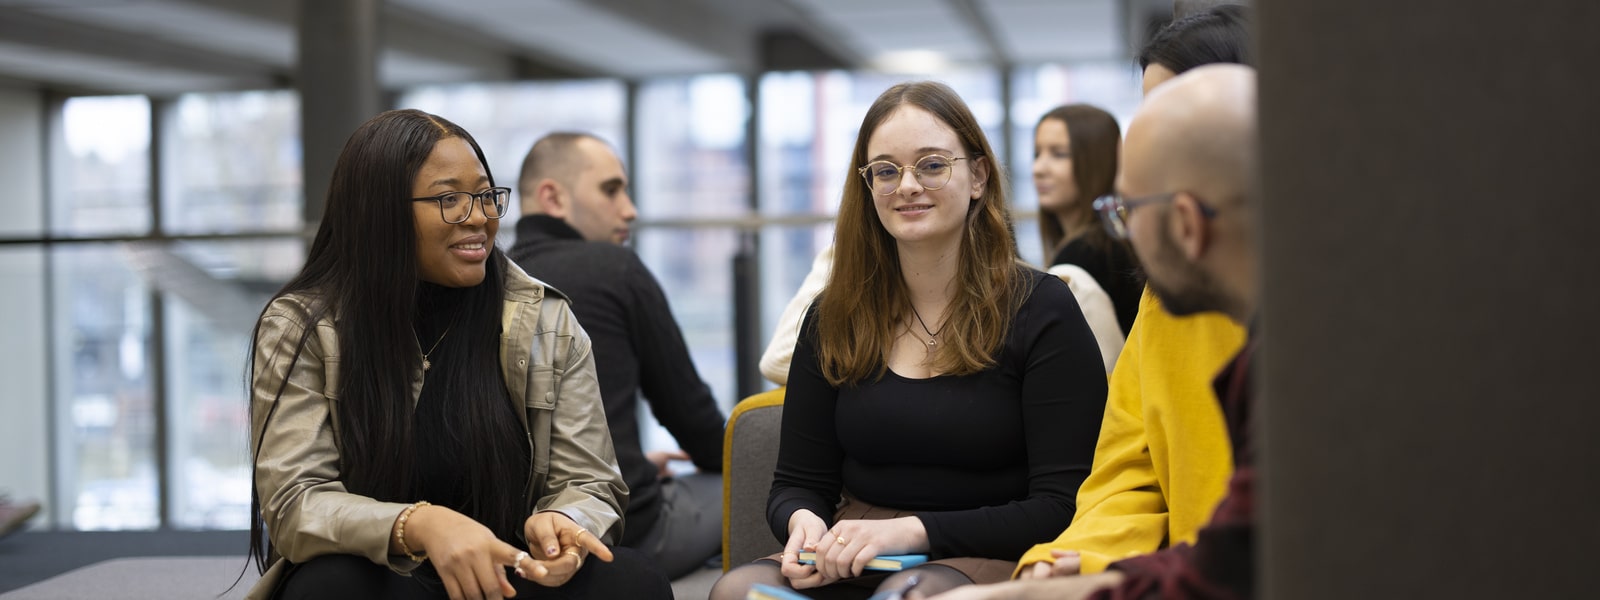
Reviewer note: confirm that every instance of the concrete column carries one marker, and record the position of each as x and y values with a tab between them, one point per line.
338	82
1429	404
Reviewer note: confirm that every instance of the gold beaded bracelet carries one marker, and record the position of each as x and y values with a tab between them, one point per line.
400	531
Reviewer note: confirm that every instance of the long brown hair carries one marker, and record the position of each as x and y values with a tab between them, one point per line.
1094	137
865	300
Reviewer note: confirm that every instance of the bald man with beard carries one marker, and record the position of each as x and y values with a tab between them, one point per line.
1186	201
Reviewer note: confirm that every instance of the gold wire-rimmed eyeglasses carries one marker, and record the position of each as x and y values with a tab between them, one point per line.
932	173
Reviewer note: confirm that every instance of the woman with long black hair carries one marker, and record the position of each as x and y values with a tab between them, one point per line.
425	416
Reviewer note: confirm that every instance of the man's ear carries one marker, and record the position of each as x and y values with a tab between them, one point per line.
1190	227
980	176
552	199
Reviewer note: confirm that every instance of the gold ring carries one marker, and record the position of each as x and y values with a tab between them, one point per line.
573	552
841	541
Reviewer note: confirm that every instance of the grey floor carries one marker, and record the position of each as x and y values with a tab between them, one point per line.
79	563
34	556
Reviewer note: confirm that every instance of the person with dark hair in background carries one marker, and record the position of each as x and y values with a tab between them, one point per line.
1186	201
943	398
576	215
1162	461
425	416
1220	34
1074	162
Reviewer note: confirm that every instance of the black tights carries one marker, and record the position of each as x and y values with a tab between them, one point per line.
932	579
346	576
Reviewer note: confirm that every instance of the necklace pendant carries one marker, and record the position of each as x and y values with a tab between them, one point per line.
426	365
933	342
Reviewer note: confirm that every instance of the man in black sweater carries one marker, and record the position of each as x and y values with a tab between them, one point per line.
576	213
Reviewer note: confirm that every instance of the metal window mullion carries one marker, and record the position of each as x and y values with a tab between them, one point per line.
52	132
156	367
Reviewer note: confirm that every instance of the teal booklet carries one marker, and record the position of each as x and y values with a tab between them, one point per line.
886	562
762	591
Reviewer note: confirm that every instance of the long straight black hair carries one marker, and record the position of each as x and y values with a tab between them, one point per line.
362	271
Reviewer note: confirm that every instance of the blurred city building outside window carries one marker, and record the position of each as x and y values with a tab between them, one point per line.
105	420
101	182
207	337
232	163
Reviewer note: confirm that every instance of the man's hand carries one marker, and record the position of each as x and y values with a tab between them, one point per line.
1055	588
1066	563
660	458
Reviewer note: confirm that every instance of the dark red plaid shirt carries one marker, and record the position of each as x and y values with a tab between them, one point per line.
1219	564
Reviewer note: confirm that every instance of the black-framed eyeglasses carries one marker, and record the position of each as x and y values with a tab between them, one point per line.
456	207
1114	210
932	172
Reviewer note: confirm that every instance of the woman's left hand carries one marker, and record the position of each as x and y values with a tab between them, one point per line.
557	547
844	552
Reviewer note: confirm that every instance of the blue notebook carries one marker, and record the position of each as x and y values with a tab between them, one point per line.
762	591
886	562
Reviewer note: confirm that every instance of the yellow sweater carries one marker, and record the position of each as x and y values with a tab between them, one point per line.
1163	459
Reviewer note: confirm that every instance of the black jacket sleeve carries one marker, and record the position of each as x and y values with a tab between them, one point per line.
678	398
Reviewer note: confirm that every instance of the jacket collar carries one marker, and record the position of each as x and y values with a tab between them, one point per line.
533	227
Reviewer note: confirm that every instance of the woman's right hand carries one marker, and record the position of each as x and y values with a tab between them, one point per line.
805	530
469	558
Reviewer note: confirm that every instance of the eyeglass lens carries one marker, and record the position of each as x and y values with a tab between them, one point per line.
457	206
1114	215
932	173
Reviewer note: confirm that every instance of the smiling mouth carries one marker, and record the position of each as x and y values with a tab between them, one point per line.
469	246
913	207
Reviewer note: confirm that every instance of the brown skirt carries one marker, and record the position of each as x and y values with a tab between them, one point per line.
979	570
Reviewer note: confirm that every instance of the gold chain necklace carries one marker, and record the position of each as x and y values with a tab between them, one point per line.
428	365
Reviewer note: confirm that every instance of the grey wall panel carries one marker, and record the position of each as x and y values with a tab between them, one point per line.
1431	388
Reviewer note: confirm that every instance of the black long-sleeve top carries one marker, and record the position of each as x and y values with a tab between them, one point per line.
1113	266
638	348
990	462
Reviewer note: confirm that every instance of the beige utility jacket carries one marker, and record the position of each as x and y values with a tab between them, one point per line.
548	369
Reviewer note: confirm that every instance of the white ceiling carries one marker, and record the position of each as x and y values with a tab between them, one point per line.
169	46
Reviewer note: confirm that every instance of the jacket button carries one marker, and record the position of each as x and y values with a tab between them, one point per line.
522	362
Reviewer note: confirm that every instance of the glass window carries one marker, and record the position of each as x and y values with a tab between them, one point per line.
212	293
691	148
105	422
25	473
102	168
1111	85
233	163
507	118
787	253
